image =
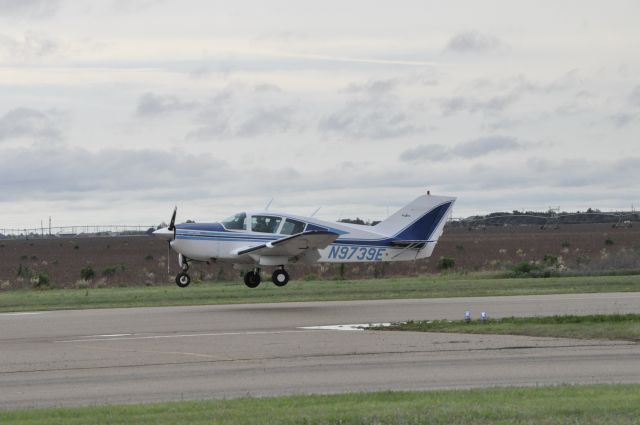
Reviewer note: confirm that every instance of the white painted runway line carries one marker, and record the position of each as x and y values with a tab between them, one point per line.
23	313
352	327
133	338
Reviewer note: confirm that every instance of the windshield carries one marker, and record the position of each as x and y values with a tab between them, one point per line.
236	222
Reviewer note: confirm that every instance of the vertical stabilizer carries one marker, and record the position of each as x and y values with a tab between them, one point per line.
422	220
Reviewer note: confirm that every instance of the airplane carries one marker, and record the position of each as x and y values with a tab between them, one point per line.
256	239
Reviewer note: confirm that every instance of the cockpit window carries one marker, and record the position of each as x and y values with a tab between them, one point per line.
236	222
291	227
265	223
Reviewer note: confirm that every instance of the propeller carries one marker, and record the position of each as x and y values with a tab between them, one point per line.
171	227
172	223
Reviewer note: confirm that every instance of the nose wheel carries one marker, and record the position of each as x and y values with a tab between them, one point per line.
183	279
280	277
252	278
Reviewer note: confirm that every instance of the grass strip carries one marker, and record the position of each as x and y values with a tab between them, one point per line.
602	326
594	404
372	289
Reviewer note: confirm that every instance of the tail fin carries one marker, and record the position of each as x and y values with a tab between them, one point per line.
420	221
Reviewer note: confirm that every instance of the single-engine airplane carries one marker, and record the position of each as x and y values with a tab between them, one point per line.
256	239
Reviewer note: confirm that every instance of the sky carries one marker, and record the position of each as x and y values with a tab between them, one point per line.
114	111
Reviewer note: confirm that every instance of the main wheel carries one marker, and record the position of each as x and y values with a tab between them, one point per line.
183	280
252	279
280	277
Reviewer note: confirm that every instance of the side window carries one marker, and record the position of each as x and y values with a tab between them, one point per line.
236	222
291	227
265	223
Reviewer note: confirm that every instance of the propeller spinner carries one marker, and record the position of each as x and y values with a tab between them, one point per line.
168	233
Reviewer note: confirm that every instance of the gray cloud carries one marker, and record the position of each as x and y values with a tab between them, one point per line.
426	153
486	145
493	96
31	46
472	105
224	117
134	6
374	111
634	97
470	149
151	105
374	121
28	123
473	41
266	88
622	119
28	8
64	173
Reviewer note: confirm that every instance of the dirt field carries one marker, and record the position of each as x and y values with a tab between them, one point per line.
119	261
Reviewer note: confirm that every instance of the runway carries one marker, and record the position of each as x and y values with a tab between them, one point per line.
87	357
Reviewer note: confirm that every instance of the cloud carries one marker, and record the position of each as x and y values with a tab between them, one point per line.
65	173
490	96
32	46
472	105
474	42
23	123
486	145
634	96
246	112
152	105
28	8
622	119
426	153
134	6
471	149
374	111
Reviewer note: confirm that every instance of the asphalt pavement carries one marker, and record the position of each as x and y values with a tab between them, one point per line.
88	357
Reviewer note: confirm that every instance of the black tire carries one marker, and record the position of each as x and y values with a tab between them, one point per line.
252	279
280	277
183	280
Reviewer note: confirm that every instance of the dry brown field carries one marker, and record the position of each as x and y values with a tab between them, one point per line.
141	260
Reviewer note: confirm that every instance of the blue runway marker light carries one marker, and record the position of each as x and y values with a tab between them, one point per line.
467	316
483	316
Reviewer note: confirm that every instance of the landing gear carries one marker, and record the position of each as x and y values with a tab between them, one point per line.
252	278
280	277
183	279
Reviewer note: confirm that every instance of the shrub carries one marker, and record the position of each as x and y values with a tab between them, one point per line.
148	257
24	272
521	269
566	244
446	263
608	242
41	281
459	248
87	273
109	271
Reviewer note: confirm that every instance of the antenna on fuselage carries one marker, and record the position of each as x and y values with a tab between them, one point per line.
268	205
315	212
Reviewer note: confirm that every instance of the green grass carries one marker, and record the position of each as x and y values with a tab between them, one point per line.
595	404
372	289
614	326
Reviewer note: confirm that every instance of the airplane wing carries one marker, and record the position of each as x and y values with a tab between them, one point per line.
292	246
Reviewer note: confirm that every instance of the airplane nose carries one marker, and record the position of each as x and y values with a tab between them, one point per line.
164	233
